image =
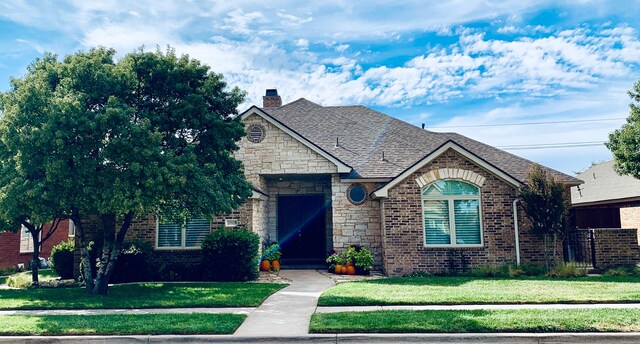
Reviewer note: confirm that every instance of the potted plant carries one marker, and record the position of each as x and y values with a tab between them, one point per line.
272	254
361	257
335	261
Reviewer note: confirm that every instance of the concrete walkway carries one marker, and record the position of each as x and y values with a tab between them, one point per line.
475	307
288	311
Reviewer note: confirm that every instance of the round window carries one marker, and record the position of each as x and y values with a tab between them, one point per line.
357	194
255	133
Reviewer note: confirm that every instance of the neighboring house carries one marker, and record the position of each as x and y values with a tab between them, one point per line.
326	177
17	248
606	199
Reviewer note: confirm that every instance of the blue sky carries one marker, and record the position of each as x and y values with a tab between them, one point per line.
463	66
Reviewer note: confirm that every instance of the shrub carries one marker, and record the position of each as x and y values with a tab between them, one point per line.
272	252
133	264
567	270
179	272
20	280
616	272
230	255
418	274
62	259
491	271
534	269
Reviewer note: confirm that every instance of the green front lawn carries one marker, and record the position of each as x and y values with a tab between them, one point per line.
142	295
473	290
566	320
120	324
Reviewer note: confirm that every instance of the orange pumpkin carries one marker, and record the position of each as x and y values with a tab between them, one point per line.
351	270
275	265
338	269
349	264
265	266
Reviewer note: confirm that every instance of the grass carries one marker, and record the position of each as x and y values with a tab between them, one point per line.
120	324
142	295
567	320
473	290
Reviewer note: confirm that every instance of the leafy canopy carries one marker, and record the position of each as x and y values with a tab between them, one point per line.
149	132
542	197
624	143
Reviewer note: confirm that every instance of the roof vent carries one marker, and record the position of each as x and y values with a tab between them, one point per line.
271	99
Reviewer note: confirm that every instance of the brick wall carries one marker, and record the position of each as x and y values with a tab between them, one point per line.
616	247
10	254
630	217
403	233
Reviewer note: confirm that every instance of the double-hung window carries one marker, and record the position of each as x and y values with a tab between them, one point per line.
188	234
451	214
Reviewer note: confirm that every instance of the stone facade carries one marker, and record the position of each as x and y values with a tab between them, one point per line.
630	217
356	224
278	153
403	234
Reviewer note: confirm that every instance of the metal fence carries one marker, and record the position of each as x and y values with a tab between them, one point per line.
579	247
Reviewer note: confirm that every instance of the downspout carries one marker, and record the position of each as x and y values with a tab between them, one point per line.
515	223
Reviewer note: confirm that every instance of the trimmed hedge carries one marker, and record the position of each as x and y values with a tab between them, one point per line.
230	255
62	259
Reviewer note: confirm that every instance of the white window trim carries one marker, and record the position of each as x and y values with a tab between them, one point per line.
25	231
183	239
452	219
72	229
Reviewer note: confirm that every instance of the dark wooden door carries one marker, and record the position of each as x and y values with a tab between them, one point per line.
302	228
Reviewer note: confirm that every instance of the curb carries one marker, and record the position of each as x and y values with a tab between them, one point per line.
537	338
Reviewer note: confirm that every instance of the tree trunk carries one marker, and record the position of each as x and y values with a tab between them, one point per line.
555	249
545	241
85	258
110	250
35	259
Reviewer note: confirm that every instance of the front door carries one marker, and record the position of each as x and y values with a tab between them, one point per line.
302	228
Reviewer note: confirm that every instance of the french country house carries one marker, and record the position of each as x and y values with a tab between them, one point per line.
325	177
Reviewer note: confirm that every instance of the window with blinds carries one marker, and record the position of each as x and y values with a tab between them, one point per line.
188	234
26	240
451	214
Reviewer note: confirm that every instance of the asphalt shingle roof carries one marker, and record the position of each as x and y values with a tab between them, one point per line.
602	183
364	134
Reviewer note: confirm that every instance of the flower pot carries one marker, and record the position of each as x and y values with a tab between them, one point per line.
361	271
265	265
275	265
351	270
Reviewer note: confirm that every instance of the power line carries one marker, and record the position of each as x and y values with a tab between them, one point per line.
552	145
530	123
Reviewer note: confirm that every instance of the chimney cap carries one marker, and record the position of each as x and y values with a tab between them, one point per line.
271	92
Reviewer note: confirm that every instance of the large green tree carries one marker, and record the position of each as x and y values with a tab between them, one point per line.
25	198
542	197
624	143
149	133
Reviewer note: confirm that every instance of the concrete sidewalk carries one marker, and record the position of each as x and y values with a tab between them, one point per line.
471	338
338	309
228	310
288	311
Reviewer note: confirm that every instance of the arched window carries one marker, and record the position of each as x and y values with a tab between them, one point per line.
451	214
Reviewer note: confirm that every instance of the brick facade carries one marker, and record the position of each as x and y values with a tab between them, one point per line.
616	247
10	255
630	217
403	234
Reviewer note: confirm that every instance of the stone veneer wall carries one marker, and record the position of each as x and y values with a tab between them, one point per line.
616	247
403	234
356	224
630	218
278	153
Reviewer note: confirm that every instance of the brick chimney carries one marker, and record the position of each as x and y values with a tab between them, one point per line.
271	99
